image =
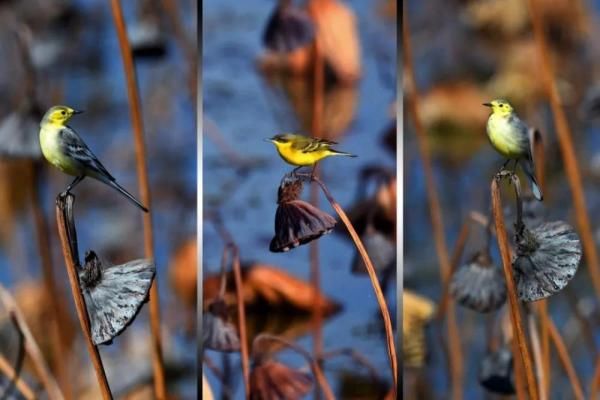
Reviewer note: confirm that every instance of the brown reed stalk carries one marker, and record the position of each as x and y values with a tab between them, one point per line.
563	354
241	317
210	129
456	368
315	280
160	389
455	260
542	308
537	355
186	43
566	146
316	369
42	233
515	314
539	157
31	346
315	273
357	357
19	383
518	366
595	383
68	240
385	313
585	325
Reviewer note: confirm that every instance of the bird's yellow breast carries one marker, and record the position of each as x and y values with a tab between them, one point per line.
504	137
298	157
52	151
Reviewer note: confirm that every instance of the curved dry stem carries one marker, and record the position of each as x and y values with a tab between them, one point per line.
227	392
515	314
537	356
566	146
565	359
241	317
595	380
39	364
12	376
160	390
186	43
316	370
456	368
228	249
387	321
68	240
542	307
455	261
357	357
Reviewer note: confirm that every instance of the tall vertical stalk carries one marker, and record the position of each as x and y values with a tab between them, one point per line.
537	355
542	305
456	368
595	380
315	274
241	318
186	43
563	354
140	153
515	314
455	260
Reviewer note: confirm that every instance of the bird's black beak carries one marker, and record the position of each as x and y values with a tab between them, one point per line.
487	104
77	111
268	140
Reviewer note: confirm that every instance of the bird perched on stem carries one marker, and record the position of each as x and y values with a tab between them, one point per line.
304	151
510	137
64	149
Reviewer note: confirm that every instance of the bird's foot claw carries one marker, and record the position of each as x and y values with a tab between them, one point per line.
504	173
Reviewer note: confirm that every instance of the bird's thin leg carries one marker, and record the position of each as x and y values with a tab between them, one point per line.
505	164
296	170
514	170
72	185
312	173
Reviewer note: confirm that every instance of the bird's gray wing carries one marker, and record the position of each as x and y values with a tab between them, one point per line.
515	121
73	145
311	144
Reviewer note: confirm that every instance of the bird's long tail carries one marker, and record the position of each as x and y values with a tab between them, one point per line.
529	170
125	193
341	153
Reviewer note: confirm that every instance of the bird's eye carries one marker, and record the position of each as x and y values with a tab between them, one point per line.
501	105
63	112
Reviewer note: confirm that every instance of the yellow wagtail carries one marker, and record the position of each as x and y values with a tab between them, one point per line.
64	149
304	151
510	137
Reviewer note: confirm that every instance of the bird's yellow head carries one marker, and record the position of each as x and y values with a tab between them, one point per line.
282	140
59	115
499	107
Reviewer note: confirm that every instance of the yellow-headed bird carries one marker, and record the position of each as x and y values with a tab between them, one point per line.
304	151
64	149
510	137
